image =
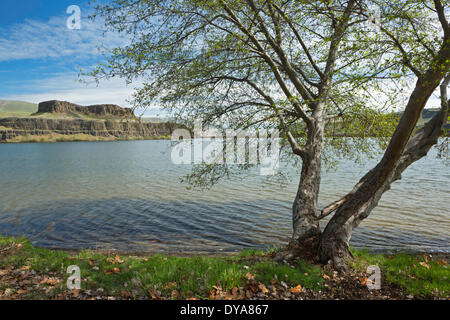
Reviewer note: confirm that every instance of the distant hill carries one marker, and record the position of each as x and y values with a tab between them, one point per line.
11	108
427	114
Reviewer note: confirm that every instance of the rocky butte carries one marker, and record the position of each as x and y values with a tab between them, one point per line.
100	110
65	121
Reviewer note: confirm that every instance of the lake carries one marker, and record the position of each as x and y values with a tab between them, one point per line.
127	195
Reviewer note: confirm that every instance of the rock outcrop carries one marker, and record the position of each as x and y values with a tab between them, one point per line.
100	110
13	127
102	121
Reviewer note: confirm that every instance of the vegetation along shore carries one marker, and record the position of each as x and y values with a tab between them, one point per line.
27	272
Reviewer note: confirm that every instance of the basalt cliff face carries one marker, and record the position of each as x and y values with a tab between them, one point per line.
100	110
109	122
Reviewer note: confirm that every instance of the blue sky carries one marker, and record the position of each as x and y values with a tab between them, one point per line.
40	57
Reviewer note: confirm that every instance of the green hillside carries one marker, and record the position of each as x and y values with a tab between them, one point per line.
10	108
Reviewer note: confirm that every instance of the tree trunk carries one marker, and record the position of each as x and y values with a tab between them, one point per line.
365	196
304	210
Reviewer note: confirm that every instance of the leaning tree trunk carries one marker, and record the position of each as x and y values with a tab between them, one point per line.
359	203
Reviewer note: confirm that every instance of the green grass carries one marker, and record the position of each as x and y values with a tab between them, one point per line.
10	108
191	276
196	276
417	276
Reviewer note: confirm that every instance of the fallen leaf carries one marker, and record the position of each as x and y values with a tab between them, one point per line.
263	288
297	289
175	295
75	293
49	281
249	276
170	285
363	281
22	291
424	264
111	260
235	292
443	262
155	295
326	277
118	260
111	271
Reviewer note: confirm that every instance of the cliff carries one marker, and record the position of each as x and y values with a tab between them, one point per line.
100	110
14	127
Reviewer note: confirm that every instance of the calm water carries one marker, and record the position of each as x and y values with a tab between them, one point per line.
128	196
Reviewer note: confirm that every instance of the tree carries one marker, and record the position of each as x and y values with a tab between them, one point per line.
298	66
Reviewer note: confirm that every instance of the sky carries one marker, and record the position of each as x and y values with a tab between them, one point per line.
40	57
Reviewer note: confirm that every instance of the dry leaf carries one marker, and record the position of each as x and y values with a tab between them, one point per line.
175	295
75	293
235	292
424	264
118	260
326	277
363	281
443	262
263	288
125	294
249	276
49	281
297	289
154	295
170	285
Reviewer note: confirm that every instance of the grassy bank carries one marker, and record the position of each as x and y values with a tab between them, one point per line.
27	272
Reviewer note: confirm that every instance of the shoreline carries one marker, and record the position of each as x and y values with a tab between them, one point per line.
143	253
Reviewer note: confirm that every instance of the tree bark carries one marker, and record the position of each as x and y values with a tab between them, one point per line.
304	210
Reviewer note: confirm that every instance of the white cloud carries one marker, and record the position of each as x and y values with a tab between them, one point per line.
66	87
34	39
